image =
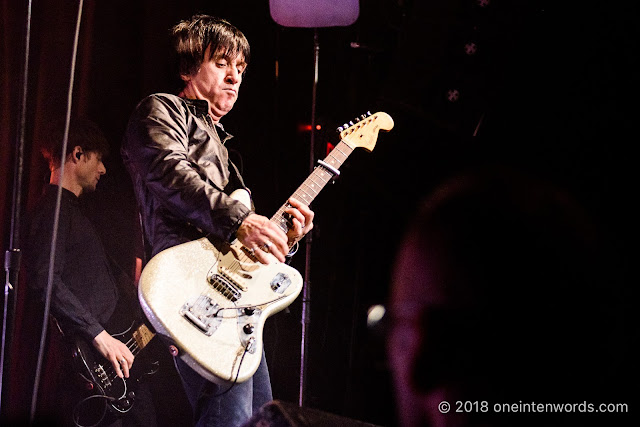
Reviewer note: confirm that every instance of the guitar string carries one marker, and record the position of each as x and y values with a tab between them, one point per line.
336	157
132	345
279	215
324	177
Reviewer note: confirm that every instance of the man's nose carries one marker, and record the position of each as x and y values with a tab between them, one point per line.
102	169
233	76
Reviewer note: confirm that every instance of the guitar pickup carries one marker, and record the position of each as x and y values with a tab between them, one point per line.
280	283
233	278
228	287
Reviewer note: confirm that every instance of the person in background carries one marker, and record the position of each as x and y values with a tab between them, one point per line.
85	301
498	297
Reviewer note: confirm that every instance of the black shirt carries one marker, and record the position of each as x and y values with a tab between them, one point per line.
85	293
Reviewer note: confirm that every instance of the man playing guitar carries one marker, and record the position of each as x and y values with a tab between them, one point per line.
85	295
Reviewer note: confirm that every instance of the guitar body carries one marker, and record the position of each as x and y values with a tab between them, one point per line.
98	376
211	299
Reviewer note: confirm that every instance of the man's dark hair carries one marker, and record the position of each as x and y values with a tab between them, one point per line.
82	132
192	37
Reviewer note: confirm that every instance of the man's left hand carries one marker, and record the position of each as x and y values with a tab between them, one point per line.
302	220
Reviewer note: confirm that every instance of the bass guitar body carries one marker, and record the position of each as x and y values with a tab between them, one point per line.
99	378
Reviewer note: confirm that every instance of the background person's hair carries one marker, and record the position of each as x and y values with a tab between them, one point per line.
192	37
82	132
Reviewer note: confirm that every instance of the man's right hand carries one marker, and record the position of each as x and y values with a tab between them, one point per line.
263	237
115	352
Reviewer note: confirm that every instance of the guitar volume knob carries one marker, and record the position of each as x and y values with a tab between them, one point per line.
248	329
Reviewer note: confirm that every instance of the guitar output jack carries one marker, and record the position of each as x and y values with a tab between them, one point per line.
173	350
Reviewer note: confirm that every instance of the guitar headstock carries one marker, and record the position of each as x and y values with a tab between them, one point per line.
364	133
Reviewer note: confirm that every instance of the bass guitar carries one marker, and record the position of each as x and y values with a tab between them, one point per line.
98	376
210	298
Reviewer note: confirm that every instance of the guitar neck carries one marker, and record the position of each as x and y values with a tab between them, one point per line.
362	134
141	337
311	187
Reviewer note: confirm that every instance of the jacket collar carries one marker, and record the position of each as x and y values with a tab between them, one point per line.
200	108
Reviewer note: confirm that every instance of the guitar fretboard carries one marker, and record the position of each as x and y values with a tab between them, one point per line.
312	186
141	338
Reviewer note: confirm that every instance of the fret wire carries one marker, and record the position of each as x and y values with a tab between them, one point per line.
305	201
310	188
301	190
315	183
336	157
307	197
339	150
333	161
323	173
318	179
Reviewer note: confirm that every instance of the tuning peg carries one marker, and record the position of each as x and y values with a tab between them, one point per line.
345	125
350	123
356	120
340	129
363	116
368	113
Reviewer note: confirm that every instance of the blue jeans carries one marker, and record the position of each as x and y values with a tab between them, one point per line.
233	408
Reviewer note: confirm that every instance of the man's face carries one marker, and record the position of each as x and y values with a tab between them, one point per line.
89	170
417	288
218	81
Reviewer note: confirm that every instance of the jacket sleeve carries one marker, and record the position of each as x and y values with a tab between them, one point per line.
156	152
71	314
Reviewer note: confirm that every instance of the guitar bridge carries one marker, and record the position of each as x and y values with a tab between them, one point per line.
202	314
102	376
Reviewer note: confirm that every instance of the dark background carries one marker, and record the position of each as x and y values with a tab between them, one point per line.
548	91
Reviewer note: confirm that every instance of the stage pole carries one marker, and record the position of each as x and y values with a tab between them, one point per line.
12	255
306	292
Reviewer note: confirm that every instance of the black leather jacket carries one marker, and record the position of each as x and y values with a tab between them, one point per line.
181	172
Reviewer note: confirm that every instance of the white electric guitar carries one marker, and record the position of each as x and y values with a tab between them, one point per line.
210	299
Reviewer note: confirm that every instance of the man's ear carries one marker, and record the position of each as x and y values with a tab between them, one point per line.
77	154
